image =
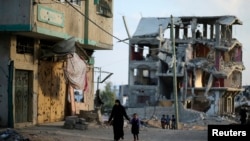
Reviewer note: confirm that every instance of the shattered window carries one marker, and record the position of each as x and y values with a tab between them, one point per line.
78	96
135	72
143	99
25	45
145	73
77	2
104	8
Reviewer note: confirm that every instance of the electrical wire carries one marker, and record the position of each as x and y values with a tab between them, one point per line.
94	22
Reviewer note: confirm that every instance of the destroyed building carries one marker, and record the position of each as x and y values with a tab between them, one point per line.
208	63
243	98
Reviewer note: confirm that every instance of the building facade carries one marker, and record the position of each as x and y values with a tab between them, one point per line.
200	53
46	51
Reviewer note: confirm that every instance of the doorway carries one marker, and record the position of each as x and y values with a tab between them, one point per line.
23	96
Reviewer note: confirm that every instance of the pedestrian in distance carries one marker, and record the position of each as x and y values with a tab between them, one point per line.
135	126
117	118
173	122
163	121
167	122
243	115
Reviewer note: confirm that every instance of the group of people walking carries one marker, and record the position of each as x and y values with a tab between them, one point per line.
117	115
168	122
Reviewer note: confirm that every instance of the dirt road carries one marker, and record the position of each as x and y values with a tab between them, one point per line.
55	132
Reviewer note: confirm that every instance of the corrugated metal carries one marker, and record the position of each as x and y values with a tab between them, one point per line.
229	20
150	26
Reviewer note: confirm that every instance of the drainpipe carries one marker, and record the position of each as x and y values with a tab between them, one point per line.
86	23
10	95
72	100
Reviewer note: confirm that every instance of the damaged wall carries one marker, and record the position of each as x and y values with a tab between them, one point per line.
33	85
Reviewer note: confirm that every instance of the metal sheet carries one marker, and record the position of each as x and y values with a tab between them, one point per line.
150	26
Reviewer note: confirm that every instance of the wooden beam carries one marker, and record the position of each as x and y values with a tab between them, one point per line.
72	100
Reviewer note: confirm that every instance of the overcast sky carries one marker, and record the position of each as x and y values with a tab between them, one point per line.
116	60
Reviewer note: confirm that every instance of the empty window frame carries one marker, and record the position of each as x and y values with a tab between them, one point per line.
143	99
25	45
104	8
77	2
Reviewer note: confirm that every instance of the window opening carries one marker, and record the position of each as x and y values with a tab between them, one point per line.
25	45
77	2
104	8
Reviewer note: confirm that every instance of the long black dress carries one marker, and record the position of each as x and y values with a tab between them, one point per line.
117	114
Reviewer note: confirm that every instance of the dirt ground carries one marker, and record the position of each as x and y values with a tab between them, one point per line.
57	133
193	131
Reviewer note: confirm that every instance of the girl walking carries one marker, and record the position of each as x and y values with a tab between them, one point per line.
135	126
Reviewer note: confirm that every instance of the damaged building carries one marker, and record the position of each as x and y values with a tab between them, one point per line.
208	63
46	58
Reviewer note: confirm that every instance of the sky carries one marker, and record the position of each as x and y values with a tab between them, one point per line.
116	60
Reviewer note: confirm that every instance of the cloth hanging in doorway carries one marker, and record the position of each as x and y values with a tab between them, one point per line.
76	72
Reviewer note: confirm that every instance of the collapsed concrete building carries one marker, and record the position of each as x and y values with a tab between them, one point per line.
208	63
243	98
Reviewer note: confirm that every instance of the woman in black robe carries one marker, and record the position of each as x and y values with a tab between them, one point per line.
117	114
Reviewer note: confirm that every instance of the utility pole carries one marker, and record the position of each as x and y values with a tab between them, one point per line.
98	78
126	27
174	75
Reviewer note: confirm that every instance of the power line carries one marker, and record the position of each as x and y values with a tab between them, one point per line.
93	22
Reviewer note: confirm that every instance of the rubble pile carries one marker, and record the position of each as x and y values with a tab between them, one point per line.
188	119
11	135
196	124
89	116
74	122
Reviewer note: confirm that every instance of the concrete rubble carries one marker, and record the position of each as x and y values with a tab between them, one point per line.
11	135
76	127
74	122
189	119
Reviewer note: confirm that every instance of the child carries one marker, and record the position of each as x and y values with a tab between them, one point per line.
173	122
163	121
135	126
167	122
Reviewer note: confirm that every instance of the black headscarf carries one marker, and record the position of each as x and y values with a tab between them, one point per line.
118	101
118	112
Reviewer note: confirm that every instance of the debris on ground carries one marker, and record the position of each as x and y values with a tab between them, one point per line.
11	135
198	124
188	119
73	122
